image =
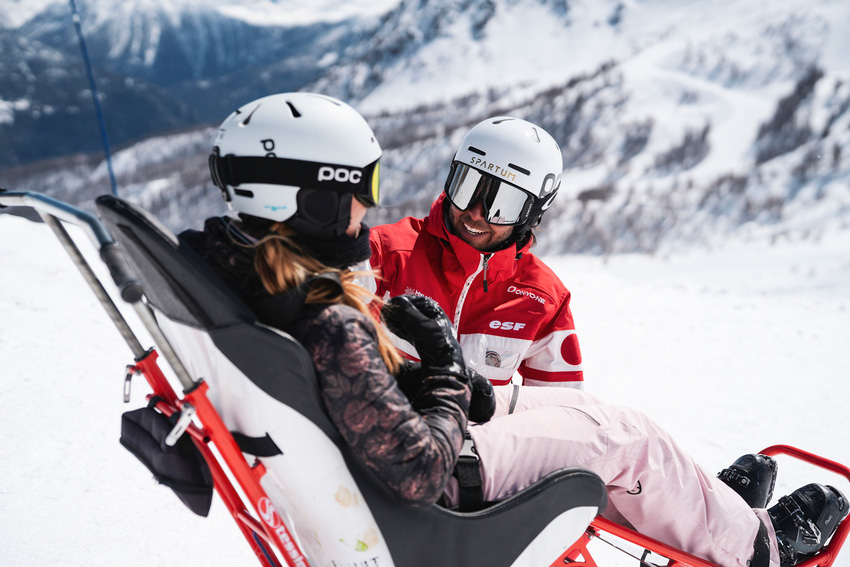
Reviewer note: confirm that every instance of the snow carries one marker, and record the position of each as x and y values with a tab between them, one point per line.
259	12
292	12
731	349
8	109
740	45
17	12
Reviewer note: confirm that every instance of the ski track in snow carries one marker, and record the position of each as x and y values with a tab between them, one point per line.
731	350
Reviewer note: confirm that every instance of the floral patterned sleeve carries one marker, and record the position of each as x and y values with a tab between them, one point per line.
413	452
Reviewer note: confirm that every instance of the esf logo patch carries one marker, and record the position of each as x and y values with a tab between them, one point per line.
506	325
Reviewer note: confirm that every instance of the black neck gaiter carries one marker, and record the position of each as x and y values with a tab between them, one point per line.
339	253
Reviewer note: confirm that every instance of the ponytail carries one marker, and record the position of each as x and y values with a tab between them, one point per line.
282	266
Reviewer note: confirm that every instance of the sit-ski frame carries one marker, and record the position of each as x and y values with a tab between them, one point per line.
578	555
269	537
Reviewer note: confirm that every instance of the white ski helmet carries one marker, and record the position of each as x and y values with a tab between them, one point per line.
297	157
511	166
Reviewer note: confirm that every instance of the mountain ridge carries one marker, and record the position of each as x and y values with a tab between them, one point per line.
695	123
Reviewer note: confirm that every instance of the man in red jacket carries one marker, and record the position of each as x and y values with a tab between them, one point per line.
471	254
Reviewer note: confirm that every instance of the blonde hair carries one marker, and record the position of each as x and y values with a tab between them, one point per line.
282	266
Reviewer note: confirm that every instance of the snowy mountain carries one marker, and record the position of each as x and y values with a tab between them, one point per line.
208	57
166	42
426	52
680	123
46	107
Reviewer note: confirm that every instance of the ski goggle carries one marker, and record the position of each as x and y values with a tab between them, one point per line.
504	204
362	182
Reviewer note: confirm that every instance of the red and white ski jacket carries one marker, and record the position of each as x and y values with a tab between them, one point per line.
510	311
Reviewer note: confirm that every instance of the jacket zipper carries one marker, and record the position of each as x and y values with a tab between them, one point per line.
481	265
486	258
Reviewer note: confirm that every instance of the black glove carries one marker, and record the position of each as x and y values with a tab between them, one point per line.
483	403
439	384
409	377
422	322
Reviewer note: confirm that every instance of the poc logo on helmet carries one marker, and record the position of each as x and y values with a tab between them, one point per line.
339	174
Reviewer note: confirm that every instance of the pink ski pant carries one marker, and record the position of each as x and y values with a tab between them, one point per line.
653	486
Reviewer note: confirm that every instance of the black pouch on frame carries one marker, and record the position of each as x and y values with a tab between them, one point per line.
181	468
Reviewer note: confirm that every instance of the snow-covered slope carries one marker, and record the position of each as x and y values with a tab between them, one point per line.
15	13
427	52
678	121
731	350
681	123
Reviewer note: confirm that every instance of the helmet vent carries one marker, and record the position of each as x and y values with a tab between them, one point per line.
244	193
250	114
520	169
475	150
295	113
535	135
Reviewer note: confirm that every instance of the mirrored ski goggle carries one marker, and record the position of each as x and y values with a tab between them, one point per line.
503	203
362	182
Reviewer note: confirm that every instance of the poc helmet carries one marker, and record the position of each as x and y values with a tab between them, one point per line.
299	158
510	166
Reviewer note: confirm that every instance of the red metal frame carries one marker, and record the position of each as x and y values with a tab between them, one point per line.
827	556
578	555
271	540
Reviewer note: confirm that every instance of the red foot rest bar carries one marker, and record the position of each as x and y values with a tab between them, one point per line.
579	556
827	556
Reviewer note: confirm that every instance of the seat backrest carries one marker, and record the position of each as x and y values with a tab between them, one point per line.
263	382
180	286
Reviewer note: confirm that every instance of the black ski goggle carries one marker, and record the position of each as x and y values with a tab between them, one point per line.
504	204
361	182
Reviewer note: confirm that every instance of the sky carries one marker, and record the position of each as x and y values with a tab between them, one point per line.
732	349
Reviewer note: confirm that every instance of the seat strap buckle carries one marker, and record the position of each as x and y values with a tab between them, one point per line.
468	474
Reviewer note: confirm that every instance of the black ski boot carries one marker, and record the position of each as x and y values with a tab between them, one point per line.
805	520
753	478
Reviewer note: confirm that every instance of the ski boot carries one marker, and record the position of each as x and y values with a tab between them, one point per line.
753	478
805	520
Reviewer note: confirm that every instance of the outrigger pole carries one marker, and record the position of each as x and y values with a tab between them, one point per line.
104	138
